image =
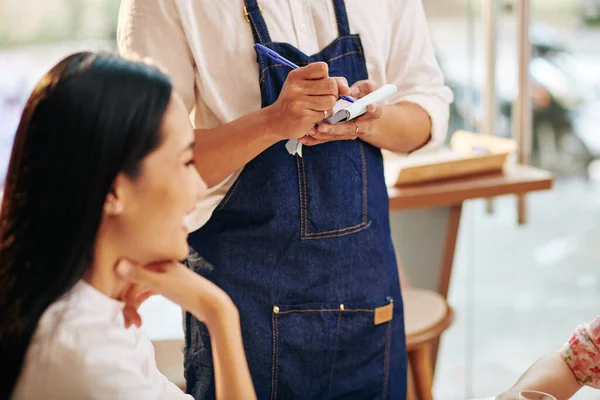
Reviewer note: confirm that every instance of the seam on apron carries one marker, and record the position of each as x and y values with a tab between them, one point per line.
300	195
353	36
386	360
255	27
231	191
337	341
327	310
336	230
343	55
304	234
365	182
275	361
361	227
262	73
305	205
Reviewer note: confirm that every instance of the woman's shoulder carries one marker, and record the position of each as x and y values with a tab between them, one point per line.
73	346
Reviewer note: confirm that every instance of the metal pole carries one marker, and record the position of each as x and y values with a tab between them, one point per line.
490	28
523	114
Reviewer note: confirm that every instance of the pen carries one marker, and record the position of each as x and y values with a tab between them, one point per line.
276	57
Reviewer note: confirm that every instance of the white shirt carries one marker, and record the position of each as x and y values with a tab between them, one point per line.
207	47
82	350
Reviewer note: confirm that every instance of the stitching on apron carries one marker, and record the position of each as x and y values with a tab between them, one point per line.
386	362
326	234
365	182
226	200
327	310
343	55
305	205
273	368
361	227
300	63
353	36
255	26
337	341
277	359
336	231
301	189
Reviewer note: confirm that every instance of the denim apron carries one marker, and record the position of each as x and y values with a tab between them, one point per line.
303	247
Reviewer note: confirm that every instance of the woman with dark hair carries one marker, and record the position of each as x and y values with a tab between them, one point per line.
100	183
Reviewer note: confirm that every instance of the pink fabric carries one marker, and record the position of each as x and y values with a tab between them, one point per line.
582	354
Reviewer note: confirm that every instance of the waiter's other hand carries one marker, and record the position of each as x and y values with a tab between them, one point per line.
350	130
307	97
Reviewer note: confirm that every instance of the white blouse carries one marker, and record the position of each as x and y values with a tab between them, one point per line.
82	350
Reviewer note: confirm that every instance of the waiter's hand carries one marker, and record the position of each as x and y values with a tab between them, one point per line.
350	130
307	97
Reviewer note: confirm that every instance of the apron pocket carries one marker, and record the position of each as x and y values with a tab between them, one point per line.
328	350
332	179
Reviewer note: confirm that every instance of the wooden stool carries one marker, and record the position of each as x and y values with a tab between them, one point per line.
426	317
169	360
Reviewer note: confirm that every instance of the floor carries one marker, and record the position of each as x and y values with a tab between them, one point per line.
520	291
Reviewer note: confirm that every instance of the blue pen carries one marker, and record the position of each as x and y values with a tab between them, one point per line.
276	57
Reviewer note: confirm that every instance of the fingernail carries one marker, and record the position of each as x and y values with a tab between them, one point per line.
323	128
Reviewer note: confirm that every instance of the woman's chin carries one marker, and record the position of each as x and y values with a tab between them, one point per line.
184	252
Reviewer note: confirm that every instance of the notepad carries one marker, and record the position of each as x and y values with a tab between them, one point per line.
344	111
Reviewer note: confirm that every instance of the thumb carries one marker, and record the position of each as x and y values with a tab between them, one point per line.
362	88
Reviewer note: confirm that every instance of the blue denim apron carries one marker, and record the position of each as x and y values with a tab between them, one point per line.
303	247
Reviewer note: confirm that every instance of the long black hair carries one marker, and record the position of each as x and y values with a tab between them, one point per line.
90	118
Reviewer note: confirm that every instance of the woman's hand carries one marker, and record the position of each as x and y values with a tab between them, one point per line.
358	127
133	297
210	305
175	281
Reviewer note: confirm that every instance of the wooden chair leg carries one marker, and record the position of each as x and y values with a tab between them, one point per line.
410	392
422	369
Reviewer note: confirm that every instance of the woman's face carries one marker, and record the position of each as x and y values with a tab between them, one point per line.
150	224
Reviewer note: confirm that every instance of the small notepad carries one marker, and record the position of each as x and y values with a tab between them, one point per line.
344	111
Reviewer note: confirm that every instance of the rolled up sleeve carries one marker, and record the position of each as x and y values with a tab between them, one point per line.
582	354
413	68
153	29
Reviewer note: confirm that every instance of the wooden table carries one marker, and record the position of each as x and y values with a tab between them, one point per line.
516	180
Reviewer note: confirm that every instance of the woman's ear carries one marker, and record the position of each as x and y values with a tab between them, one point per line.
115	201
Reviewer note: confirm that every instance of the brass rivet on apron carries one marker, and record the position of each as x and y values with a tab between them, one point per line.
275	309
342	307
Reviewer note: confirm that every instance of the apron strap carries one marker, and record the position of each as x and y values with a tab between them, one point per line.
252	12
342	17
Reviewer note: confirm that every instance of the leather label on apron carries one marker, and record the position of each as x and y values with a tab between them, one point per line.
384	314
